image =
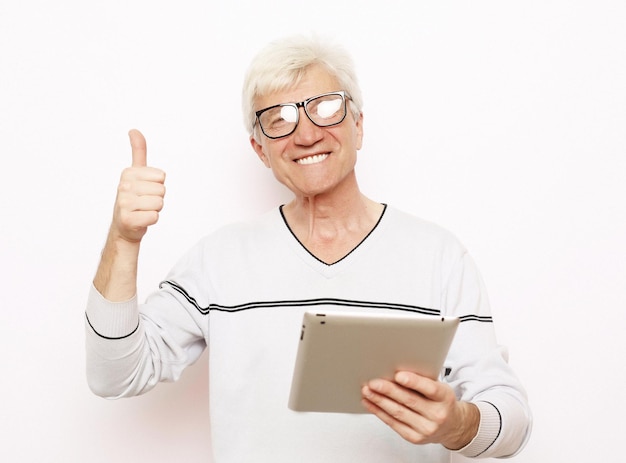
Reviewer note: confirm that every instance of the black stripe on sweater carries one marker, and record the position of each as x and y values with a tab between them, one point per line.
314	302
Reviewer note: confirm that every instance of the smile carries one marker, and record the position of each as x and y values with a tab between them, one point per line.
312	159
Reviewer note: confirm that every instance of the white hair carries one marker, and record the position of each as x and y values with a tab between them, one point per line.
282	64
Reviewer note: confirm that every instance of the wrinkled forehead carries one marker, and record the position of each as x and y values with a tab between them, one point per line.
294	85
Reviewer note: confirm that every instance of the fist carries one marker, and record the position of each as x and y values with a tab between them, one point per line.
139	195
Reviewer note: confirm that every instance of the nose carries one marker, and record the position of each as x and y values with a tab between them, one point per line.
307	133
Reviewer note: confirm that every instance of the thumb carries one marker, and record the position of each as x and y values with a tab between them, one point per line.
138	147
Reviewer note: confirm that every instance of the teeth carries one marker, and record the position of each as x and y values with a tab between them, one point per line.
312	159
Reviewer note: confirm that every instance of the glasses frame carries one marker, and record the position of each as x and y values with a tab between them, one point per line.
303	104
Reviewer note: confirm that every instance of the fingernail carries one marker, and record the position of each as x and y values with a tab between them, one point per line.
374	384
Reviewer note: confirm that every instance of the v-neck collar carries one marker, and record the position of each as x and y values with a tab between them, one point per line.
323	267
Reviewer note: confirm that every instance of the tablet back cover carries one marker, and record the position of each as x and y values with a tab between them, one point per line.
340	351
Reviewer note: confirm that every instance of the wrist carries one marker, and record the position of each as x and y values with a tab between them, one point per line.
468	423
116	277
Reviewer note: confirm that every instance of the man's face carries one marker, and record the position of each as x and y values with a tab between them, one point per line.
312	160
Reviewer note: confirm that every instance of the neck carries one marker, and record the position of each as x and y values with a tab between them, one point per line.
330	226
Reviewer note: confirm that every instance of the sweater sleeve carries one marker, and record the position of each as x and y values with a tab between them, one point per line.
128	347
478	368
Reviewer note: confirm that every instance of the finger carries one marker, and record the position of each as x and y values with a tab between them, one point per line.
402	403
152	186
132	177
148	203
128	202
408	424
427	387
138	147
139	220
393	399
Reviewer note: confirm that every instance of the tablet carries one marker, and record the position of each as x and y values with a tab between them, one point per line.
339	352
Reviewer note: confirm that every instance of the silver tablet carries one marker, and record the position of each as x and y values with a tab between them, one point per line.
340	351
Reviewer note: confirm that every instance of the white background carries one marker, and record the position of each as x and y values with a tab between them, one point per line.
502	121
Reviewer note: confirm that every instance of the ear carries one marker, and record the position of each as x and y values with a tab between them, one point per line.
258	149
359	131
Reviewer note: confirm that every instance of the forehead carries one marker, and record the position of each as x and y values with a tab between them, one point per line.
315	80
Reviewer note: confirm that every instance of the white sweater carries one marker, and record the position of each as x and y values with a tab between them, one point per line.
242	292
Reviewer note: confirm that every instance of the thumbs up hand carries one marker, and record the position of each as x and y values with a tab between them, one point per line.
139	195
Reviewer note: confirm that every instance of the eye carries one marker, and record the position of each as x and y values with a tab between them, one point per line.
328	108
278	117
289	113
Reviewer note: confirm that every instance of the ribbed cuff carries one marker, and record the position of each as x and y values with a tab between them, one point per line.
488	430
111	320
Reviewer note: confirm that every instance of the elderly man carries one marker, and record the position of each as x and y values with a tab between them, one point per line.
242	291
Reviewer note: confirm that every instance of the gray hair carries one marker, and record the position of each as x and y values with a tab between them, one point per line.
282	64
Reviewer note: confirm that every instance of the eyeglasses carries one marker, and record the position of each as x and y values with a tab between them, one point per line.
323	110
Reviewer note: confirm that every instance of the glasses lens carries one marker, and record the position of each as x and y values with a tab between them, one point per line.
327	109
279	121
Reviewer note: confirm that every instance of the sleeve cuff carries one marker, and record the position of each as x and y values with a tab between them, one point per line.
488	431
111	320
